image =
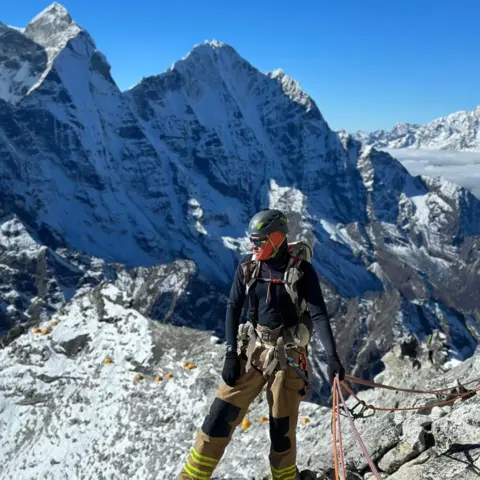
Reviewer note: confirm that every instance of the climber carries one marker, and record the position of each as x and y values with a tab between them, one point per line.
275	284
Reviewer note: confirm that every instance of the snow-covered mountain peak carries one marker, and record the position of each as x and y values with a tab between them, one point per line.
55	17
53	29
68	48
214	44
215	66
206	49
209	46
51	41
210	57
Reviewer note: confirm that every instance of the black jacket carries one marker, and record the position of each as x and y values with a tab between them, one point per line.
279	310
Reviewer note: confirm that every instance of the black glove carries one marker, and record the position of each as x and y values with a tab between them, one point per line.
231	368
335	368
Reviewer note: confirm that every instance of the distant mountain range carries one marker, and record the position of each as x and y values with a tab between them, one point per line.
458	131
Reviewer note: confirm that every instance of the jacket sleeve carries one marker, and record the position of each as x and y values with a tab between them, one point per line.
235	305
310	287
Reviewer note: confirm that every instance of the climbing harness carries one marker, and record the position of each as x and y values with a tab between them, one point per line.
274	346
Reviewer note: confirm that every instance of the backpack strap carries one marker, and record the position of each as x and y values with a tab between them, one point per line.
291	277
251	271
252	344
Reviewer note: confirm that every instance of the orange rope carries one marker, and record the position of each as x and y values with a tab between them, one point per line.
342	453
398	409
358	437
368	383
334	427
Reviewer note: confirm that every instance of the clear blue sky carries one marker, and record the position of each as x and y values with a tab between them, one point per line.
368	64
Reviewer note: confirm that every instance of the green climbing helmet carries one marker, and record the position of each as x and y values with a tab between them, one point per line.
266	222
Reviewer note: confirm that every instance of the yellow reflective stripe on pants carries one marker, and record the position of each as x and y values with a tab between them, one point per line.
286	476
202	460
198	476
287	473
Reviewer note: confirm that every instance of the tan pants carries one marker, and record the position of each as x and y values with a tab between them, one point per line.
285	390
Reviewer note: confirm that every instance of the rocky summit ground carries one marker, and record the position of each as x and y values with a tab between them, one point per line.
106	393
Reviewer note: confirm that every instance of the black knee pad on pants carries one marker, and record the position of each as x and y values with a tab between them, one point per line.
216	423
278	434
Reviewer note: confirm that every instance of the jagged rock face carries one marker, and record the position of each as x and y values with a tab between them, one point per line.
457	131
174	168
85	393
37	281
22	61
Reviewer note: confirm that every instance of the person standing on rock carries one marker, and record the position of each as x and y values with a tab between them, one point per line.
271	349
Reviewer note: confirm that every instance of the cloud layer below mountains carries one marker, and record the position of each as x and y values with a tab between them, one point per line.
462	168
